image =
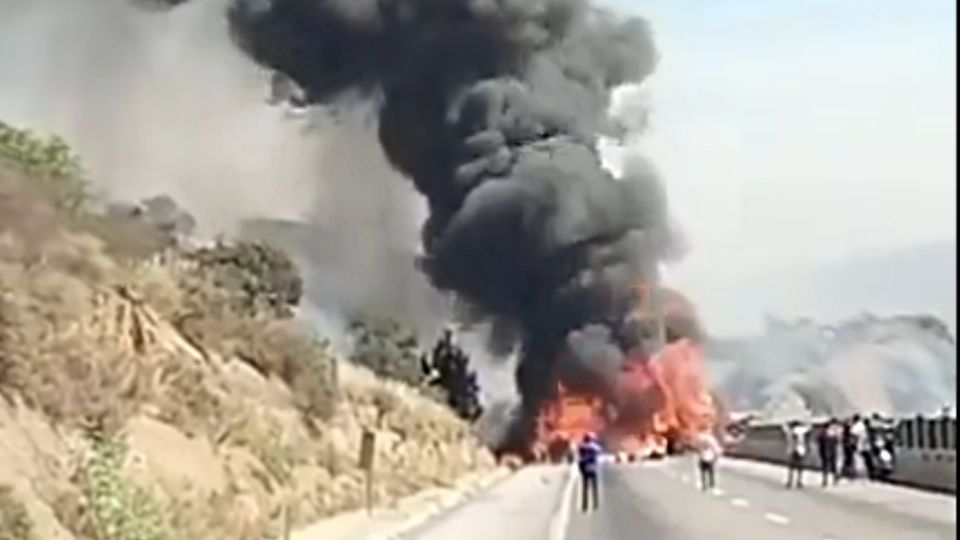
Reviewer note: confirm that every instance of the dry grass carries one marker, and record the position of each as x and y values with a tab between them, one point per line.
94	338
25	210
48	356
281	348
207	315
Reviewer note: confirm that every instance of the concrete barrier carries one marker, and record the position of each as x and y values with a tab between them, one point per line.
917	464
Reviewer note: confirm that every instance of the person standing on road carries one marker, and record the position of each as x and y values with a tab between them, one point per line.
860	431
849	448
708	453
828	444
867	450
588	461
796	437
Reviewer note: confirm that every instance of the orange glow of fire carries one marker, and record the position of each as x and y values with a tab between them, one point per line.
664	401
687	407
667	402
567	418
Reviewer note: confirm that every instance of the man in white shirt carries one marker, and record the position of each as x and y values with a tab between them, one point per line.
796	438
860	432
708	453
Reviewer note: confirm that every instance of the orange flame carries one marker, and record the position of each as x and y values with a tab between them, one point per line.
568	418
665	402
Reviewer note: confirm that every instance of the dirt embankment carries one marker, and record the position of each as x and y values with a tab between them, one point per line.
137	405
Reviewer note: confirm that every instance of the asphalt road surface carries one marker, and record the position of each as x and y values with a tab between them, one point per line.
661	501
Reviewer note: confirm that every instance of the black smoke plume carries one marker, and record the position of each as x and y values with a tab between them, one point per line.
492	108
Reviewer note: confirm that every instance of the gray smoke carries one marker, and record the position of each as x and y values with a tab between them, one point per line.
593	360
160	101
902	366
156	104
493	108
160	214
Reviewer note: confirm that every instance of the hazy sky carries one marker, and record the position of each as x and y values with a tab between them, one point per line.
795	133
789	133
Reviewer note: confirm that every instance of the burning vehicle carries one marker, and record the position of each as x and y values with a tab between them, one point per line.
653	405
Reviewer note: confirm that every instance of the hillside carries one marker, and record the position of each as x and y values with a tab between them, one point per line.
151	392
896	365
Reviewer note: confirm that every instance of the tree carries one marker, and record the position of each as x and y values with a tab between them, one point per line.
257	275
388	349
447	368
49	160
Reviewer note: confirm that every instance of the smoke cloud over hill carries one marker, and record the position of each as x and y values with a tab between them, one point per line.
158	100
493	109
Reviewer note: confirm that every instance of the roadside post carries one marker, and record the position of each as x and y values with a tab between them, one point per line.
367	451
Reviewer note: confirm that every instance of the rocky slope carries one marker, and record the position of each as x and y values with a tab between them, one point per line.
138	403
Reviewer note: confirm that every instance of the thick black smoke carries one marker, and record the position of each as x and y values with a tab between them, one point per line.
492	108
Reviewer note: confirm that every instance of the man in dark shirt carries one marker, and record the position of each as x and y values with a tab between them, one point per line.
828	444
588	460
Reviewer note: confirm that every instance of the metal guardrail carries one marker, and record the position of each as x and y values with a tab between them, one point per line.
927	433
925	449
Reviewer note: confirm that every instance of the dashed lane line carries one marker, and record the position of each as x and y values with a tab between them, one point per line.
740	502
776	518
561	520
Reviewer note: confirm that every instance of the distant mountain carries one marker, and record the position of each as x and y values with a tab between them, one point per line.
894	365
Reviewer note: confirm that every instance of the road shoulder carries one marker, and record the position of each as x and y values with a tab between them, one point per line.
391	522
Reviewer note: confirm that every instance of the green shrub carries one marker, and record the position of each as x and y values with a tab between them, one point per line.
255	275
119	510
388	349
15	522
47	159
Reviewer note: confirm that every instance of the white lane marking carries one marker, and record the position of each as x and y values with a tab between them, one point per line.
561	520
684	478
717	492
776	518
740	503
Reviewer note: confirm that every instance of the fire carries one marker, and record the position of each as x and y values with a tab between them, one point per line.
662	402
567	418
688	408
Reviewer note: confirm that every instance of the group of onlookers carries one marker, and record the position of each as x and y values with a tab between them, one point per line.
843	447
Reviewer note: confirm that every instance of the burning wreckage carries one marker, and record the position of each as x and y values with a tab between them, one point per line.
649	405
493	110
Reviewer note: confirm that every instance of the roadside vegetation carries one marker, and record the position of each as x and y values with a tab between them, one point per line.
154	391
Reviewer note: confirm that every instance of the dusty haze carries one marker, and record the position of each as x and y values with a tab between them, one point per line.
162	102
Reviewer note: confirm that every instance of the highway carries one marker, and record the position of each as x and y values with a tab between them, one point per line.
661	501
